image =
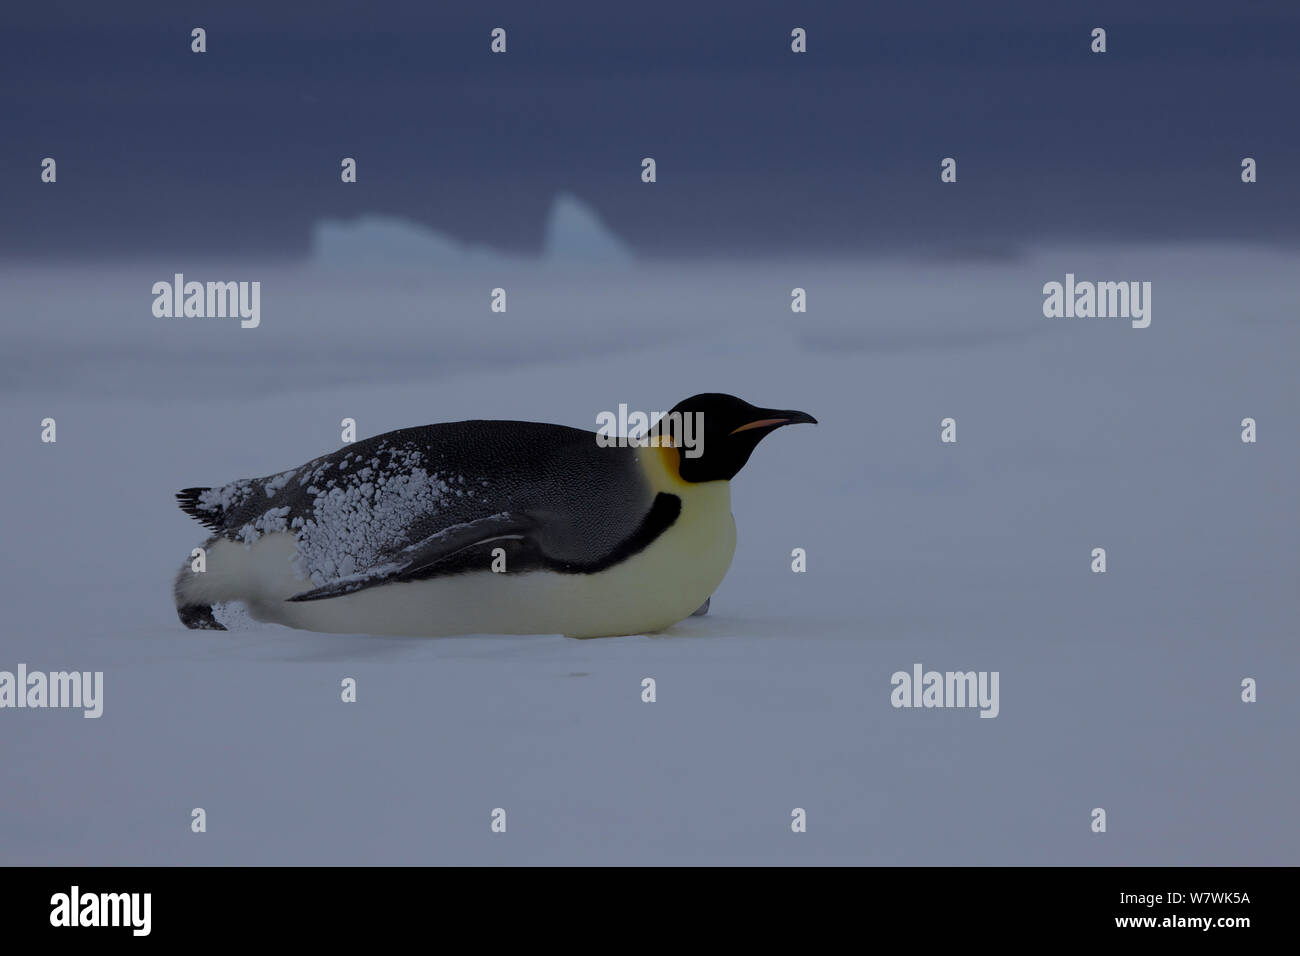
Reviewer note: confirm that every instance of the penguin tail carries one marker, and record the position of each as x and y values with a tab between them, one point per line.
199	617
195	596
211	517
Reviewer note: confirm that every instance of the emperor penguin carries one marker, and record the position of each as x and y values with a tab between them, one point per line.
484	527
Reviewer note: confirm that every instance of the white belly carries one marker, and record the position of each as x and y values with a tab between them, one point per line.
649	591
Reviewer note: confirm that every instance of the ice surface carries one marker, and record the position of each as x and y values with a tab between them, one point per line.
1118	690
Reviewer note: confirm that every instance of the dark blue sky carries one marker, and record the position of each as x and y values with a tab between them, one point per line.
236	151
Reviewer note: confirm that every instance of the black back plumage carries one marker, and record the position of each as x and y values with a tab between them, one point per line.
438	499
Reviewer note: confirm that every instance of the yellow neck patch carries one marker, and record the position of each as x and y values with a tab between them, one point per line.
662	467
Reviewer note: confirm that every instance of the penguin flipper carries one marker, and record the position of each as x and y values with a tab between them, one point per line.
420	556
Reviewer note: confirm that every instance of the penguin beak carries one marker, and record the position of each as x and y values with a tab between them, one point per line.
775	418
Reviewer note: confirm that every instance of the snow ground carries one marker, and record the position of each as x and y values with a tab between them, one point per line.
1118	691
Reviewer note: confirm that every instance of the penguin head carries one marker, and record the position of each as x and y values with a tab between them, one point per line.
720	434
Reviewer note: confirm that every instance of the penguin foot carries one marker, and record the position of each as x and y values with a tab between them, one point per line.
198	617
703	609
